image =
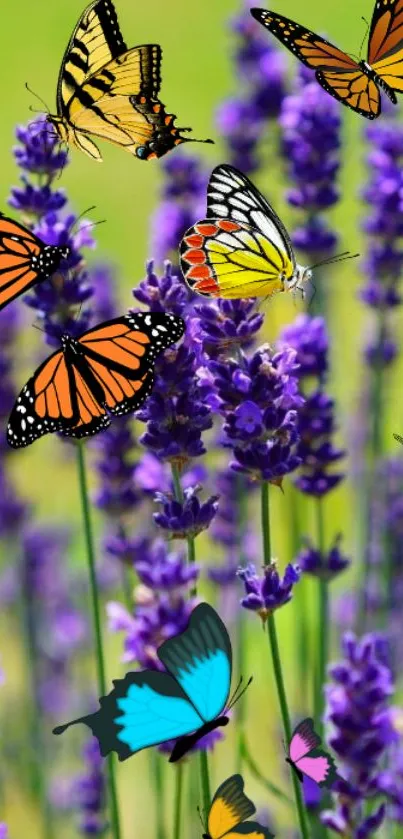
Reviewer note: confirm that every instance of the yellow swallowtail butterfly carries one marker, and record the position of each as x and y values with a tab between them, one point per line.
107	91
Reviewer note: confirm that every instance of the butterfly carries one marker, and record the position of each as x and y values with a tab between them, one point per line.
306	758
354	83
24	259
241	249
110	92
187	702
228	811
107	371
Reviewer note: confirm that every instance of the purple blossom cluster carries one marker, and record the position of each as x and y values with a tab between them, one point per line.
59	300
182	203
309	339
311	124
358	708
383	262
260	67
266	594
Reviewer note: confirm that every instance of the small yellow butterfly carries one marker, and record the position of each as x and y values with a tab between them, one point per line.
229	809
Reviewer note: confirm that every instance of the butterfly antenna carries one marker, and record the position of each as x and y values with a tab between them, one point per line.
236	697
338	257
35	325
39	98
365	36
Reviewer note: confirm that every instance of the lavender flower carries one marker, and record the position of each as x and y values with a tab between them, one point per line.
181	520
325	566
311	123
258	400
266	594
57	299
243	119
183	203
175	412
89	792
316	418
357	707
384	260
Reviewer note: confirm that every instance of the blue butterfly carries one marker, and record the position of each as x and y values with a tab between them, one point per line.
187	702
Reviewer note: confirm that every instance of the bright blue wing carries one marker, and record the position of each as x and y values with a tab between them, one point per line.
143	709
200	659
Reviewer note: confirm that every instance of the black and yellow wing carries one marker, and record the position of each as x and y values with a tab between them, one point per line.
110	92
229	809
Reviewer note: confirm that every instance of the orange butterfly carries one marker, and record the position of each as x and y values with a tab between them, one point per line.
354	83
24	260
107	371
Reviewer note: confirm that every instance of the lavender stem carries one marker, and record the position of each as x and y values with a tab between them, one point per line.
204	770
100	663
275	654
178	801
323	634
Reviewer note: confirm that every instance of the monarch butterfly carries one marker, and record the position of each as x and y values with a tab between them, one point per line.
354	83
111	92
107	371
242	248
229	809
24	259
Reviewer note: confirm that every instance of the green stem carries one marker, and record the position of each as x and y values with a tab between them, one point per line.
240	707
252	765
372	459
323	629
157	768
37	740
276	660
301	610
100	664
205	782
178	801
179	495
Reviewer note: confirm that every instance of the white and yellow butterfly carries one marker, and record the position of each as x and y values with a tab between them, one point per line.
109	92
242	248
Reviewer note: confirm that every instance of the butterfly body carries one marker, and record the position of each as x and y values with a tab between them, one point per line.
295	769
242	248
184	703
24	259
187	742
353	83
107	371
109	92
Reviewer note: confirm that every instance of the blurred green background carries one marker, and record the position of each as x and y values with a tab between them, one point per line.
197	73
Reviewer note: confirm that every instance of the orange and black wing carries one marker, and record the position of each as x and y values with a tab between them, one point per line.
119	356
385	44
336	72
24	260
46	404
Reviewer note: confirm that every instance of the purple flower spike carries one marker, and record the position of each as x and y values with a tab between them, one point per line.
358	709
187	519
270	592
261	68
327	567
89	791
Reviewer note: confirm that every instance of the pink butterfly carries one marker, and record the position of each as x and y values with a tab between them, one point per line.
305	758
